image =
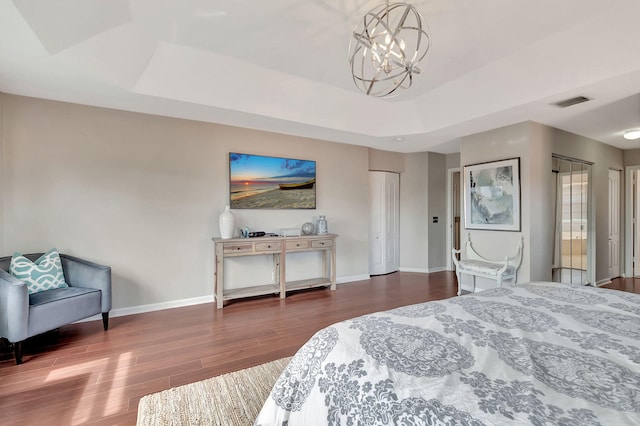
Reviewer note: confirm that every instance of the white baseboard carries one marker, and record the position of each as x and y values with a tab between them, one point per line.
352	278
421	270
438	269
141	309
603	282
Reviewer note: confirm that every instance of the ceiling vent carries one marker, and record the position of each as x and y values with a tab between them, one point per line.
571	101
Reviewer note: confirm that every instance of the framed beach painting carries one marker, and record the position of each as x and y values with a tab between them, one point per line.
262	182
492	195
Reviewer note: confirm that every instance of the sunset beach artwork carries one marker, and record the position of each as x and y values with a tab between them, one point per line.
261	182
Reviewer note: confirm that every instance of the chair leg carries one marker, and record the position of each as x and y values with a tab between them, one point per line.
17	348
105	320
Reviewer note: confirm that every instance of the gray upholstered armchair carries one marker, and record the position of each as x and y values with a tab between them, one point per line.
23	315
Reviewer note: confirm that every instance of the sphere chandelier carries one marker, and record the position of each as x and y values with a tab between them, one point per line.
386	48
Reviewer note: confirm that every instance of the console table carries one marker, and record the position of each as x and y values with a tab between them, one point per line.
277	247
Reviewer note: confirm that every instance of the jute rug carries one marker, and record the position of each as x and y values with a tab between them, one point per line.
230	399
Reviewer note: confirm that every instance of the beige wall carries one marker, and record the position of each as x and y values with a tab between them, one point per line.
386	161
604	158
535	144
2	137
437	207
414	234
632	157
493	145
143	193
540	202
453	160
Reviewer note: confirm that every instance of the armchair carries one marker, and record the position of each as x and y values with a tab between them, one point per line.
24	315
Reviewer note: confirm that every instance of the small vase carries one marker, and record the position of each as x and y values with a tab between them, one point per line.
227	222
321	226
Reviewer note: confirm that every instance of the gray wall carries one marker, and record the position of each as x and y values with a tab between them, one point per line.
386	161
632	157
437	199
493	145
2	137
535	144
604	158
143	193
414	232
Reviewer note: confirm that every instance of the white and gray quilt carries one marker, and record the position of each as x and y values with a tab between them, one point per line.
538	353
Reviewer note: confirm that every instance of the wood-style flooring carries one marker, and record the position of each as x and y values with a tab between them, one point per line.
80	374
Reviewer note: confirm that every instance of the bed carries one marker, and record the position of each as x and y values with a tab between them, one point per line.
538	353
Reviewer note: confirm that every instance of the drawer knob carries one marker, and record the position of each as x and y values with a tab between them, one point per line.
268	246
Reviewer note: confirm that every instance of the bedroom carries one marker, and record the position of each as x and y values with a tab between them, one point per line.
139	190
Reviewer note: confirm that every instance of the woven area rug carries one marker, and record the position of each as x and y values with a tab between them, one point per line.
230	399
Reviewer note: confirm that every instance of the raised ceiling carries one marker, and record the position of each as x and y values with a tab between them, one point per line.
281	65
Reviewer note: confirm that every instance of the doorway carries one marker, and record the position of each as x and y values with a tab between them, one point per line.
572	249
384	227
454	198
632	214
614	224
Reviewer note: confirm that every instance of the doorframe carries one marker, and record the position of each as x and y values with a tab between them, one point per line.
591	214
449	241
629	218
620	271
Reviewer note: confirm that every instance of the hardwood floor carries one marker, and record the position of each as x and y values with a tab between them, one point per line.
82	375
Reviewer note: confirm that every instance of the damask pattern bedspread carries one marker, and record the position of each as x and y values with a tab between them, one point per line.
538	353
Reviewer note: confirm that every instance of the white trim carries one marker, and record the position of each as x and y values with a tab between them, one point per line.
628	220
449	233
421	270
141	309
438	269
603	282
352	278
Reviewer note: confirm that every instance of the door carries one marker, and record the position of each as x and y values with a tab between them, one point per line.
384	228
572	249
614	223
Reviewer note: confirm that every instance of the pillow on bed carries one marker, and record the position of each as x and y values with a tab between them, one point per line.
41	275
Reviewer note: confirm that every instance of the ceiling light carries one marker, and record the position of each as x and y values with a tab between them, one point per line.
387	47
632	134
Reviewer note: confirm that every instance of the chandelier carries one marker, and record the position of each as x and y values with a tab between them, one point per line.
386	48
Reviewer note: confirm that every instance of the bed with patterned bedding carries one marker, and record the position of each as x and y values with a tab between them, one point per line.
538	353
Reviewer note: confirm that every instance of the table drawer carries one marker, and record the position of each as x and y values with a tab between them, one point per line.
271	246
321	243
297	244
238	248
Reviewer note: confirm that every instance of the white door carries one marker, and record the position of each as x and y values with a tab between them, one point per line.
384	228
614	223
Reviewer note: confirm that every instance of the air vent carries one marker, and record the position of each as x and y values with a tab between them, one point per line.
571	101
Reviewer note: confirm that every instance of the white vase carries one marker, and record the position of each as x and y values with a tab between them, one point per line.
227	222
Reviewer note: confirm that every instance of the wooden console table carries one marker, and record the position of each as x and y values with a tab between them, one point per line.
277	247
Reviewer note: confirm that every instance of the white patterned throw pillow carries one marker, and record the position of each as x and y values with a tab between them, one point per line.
43	274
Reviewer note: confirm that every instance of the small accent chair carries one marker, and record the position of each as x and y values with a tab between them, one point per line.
24	315
474	265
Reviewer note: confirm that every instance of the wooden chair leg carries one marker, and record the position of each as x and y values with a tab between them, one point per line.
105	320
17	349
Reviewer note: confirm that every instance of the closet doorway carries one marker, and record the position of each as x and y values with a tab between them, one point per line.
572	252
384	225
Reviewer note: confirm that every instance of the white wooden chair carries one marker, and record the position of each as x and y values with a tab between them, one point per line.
472	264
